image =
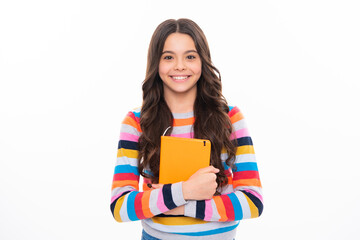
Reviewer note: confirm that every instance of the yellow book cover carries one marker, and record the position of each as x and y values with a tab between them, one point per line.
182	157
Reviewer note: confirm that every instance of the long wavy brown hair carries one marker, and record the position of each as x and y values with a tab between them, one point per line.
210	108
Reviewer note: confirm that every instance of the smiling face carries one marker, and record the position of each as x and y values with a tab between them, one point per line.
180	66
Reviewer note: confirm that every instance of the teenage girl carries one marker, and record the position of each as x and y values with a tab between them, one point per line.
182	89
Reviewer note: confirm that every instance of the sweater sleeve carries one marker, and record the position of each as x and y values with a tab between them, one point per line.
127	202
245	199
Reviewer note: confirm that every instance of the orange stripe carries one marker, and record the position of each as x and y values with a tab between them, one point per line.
230	180
145	187
130	121
184	122
236	117
123	183
247	182
220	208
145	204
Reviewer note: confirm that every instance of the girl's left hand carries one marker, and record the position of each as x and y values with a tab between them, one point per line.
175	211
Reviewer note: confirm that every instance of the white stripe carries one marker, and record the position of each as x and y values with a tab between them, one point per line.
240	124
127	161
182	129
170	236
215	216
125	128
244	205
177	194
189	228
241	158
118	190
249	157
153	201
227	189
123	210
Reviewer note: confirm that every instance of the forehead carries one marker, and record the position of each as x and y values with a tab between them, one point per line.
179	42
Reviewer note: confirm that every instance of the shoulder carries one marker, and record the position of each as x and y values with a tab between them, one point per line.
134	114
235	114
132	119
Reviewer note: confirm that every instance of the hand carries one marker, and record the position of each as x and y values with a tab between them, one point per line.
156	186
176	211
201	185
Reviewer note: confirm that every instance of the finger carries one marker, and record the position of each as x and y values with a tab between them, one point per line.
156	186
209	169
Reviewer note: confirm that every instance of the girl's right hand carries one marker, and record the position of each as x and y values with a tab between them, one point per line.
201	185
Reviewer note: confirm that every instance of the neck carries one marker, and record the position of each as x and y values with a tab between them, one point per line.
180	102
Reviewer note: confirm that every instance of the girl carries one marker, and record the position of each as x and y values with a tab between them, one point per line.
182	89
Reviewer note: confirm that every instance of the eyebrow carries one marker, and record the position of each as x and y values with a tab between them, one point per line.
188	51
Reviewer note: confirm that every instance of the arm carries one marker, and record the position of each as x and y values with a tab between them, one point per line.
127	202
245	201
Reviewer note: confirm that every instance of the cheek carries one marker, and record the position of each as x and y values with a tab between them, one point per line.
197	68
163	69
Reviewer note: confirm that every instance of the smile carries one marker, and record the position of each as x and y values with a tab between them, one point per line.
180	78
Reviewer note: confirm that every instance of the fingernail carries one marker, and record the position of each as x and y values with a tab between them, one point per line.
149	185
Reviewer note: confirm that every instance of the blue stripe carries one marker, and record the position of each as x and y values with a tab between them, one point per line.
226	167
243	141
137	114
131	206
230	108
211	232
128	145
237	207
148	172
126	169
246	166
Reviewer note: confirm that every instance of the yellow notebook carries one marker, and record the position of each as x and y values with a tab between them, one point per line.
182	157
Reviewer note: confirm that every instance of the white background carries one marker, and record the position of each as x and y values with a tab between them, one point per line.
71	70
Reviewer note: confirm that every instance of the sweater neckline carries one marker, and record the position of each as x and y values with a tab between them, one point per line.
183	115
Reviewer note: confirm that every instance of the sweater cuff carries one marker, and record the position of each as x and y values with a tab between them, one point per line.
190	209
177	194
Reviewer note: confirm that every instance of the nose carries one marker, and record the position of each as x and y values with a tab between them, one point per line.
180	65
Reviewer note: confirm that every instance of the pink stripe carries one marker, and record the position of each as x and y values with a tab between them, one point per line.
255	194
182	135
129	137
160	202
240	133
116	196
208	210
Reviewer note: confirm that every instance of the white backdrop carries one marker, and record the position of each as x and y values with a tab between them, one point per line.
71	70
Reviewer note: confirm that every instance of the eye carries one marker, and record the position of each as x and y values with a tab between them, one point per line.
168	57
191	57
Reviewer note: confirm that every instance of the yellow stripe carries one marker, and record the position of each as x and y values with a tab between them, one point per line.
246	149
177	220
127	153
253	209
117	209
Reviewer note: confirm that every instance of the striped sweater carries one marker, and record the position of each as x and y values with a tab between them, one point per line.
216	218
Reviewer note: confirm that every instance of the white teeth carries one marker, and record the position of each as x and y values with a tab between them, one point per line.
180	78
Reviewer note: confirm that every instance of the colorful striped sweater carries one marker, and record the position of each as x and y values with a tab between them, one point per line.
216	218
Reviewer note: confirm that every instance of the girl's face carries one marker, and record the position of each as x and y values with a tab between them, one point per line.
180	65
